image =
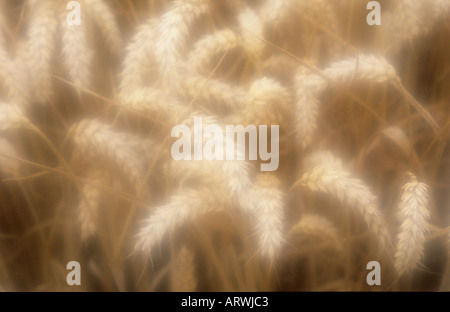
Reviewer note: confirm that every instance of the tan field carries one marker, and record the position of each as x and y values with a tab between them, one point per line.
91	90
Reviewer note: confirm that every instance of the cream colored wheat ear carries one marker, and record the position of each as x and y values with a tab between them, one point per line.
326	174
414	213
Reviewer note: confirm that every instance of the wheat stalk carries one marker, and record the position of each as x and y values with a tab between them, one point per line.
327	175
40	48
94	137
183	277
317	226
414	213
309	86
76	51
185	206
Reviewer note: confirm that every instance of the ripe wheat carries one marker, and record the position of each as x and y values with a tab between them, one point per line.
325	173
209	46
185	206
94	137
40	48
76	51
414	212
172	32
269	214
89	203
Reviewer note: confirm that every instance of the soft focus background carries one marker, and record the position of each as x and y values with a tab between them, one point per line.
86	172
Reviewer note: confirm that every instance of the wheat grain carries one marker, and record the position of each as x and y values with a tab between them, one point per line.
186	206
327	175
269	202
317	226
76	51
40	48
183	275
94	137
414	212
172	32
101	12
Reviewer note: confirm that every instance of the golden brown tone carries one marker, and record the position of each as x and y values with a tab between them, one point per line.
87	174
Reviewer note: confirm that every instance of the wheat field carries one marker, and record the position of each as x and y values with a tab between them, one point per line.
86	172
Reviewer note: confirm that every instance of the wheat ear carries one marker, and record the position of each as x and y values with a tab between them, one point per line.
12	74
212	92
101	12
186	206
173	30
310	85
89	203
183	277
328	175
94	137
211	45
269	202
139	57
317	226
413	209
76	51
405	22
150	100
232	175
268	103
40	50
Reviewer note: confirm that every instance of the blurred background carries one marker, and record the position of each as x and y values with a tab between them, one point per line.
85	167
